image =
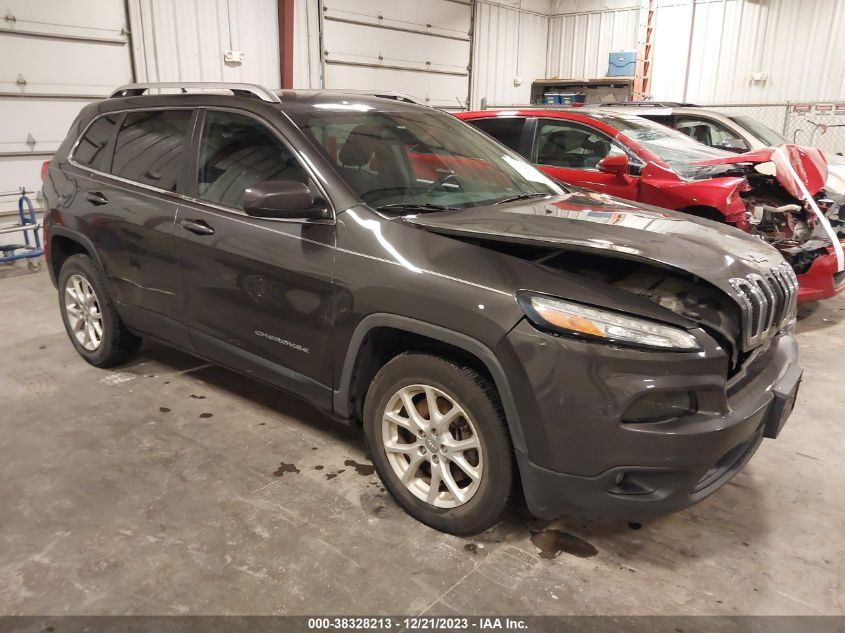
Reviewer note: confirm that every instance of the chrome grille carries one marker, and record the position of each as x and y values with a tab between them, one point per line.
767	302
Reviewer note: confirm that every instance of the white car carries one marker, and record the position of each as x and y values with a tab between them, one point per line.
735	133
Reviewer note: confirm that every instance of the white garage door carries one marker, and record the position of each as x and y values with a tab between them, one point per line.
418	48
56	57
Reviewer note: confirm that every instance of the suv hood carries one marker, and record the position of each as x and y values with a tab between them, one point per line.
601	224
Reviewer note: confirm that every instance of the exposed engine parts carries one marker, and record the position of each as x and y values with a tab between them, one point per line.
787	223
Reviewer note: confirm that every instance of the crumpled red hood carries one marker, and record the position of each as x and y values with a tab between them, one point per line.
808	163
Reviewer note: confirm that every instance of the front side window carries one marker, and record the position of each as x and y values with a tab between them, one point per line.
92	147
566	144
762	132
418	157
237	151
150	147
506	130
704	131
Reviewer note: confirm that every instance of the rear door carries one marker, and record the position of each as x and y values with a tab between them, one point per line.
129	201
257	292
570	152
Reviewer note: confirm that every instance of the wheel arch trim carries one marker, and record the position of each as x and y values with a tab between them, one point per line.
86	243
340	397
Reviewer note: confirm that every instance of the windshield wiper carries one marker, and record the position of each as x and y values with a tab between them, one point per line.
522	196
409	206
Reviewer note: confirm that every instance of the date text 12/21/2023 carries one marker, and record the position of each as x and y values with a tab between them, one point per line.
418	623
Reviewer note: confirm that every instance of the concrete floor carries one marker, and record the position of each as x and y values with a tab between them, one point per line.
171	486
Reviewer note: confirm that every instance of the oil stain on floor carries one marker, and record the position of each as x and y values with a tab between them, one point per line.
553	542
285	468
362	469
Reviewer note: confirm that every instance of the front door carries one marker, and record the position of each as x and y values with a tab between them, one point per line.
570	152
258	292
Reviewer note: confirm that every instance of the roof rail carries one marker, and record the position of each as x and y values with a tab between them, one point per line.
653	104
383	94
239	89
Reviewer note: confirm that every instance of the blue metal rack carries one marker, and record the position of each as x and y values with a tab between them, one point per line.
31	248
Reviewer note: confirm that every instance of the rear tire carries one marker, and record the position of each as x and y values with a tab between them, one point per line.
91	320
463	448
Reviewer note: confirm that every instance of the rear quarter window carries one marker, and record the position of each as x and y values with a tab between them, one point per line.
506	130
151	146
92	148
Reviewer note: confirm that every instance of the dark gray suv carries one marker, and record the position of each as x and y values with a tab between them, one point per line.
489	328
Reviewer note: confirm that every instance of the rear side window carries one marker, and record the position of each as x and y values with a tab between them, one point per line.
506	130
237	151
91	150
150	147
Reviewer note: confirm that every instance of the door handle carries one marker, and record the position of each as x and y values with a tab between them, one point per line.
96	198
197	226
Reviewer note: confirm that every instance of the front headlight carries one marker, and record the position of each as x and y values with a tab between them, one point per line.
583	321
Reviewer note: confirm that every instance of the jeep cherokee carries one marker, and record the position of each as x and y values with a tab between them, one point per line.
488	328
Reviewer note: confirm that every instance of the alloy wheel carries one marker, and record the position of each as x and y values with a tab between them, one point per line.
432	445
83	312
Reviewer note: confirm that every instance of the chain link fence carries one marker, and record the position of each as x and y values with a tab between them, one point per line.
820	124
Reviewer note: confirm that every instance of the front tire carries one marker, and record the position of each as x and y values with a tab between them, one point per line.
91	320
438	439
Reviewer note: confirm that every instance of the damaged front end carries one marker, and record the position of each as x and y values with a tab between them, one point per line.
787	207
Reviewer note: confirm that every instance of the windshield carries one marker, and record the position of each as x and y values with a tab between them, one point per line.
760	131
419	158
674	148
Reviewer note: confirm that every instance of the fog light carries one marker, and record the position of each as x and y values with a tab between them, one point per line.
660	406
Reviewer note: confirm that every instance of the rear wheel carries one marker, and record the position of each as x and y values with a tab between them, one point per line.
89	315
437	438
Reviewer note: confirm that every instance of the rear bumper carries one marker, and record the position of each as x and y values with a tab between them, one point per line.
596	465
821	281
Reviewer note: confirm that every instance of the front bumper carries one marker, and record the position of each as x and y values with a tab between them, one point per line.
821	281
580	457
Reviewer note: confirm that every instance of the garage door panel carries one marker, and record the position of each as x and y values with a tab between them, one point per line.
91	19
62	66
444	17
373	45
47	120
15	173
429	88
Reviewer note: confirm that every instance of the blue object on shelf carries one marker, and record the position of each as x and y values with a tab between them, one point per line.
622	64
571	98
551	98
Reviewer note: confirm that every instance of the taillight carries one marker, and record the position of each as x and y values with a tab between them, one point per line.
44	167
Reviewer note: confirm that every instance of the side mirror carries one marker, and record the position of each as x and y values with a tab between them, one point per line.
734	145
617	164
285	199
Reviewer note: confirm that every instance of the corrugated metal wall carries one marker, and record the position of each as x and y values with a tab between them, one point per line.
582	34
185	40
798	45
509	48
307	72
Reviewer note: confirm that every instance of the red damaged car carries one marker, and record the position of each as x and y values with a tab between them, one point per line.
775	193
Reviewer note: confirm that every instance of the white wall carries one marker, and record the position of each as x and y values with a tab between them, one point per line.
582	34
509	51
185	40
307	69
798	44
67	53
